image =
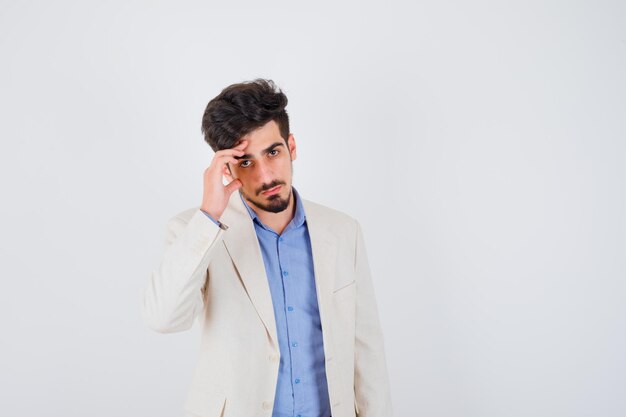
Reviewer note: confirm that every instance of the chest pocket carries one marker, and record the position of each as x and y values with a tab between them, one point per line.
345	286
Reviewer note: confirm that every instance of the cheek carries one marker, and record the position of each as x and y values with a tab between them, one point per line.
249	184
242	174
284	166
246	183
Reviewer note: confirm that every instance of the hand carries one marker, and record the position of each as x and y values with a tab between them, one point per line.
216	194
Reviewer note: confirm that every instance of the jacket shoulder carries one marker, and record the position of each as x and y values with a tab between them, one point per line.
185	215
177	223
336	219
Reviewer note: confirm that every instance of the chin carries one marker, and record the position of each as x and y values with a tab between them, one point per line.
274	203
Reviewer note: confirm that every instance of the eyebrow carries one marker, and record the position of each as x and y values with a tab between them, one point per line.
263	152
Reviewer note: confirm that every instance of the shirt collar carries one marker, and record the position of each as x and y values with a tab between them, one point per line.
298	218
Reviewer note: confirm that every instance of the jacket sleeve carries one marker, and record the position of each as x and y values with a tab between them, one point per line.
174	296
371	381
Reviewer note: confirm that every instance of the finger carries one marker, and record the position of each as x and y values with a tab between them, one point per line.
226	173
219	163
226	160
233	185
231	160
239	147
241	144
228	152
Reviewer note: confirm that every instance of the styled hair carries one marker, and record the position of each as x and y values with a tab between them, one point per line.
241	108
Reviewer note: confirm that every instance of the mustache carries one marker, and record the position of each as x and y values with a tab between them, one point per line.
269	186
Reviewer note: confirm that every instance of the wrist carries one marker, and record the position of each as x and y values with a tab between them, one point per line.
214	214
214	220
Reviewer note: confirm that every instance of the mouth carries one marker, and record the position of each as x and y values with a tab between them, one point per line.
272	191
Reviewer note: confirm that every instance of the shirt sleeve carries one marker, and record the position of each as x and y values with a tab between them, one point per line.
210	217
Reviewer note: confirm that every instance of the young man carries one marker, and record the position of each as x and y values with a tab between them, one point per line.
281	284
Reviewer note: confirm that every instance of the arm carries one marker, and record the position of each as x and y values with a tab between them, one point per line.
217	222
174	296
210	217
371	381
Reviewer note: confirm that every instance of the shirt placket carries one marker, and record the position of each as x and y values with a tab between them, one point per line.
289	285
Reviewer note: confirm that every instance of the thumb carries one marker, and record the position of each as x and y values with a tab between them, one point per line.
233	185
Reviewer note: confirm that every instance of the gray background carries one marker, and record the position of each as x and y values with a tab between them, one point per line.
480	144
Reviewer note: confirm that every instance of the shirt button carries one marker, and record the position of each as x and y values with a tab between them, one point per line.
285	273
281	239
297	381
290	308
294	344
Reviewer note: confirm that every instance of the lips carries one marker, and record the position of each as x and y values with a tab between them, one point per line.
272	191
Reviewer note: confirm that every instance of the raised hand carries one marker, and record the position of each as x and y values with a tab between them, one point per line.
216	195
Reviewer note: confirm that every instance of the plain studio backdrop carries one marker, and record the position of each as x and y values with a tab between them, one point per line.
481	145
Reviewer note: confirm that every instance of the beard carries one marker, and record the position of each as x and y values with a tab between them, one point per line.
275	203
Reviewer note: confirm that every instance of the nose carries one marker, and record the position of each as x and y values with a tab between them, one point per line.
264	173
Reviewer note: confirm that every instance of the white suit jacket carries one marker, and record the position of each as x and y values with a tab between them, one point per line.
218	277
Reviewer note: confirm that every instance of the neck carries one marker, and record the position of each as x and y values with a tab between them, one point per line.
278	221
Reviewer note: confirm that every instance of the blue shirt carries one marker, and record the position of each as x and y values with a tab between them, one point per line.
302	389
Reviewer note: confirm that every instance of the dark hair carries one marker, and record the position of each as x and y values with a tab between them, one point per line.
242	108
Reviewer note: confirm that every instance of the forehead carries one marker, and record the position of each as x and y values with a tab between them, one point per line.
262	137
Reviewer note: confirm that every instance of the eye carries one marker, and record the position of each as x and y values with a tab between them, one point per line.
274	152
245	164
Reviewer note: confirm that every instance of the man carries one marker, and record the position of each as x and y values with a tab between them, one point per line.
281	284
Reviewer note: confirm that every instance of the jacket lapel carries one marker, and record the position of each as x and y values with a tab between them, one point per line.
324	249
243	246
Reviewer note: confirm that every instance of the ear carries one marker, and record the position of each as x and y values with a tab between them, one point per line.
291	143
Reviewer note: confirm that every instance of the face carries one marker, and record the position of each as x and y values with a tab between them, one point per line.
265	170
